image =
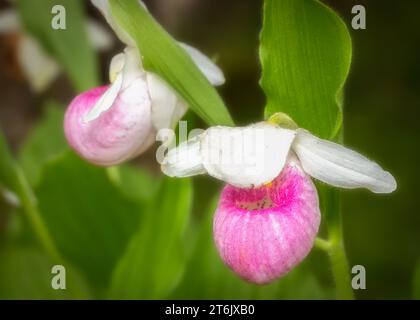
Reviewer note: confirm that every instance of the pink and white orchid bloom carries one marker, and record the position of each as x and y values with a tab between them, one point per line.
109	125
268	214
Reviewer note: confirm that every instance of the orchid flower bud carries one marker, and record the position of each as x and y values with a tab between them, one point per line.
268	214
108	125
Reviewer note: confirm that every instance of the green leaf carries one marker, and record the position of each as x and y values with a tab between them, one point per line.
25	273
44	142
7	165
162	55
89	218
155	258
301	283
206	277
13	178
305	55
136	183
69	46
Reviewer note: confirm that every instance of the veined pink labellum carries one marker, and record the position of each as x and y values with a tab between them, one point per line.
262	233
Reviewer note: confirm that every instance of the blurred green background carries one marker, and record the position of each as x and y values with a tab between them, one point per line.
382	100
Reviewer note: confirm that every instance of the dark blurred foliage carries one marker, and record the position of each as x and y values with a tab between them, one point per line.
381	115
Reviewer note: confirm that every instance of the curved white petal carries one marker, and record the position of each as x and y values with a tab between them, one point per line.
185	160
116	66
338	166
133	68
244	157
125	69
248	156
212	72
106	101
39	68
167	106
9	21
98	36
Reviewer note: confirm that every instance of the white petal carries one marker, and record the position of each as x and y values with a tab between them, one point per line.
185	160
246	157
106	101
338	166
167	106
9	21
98	36
126	69
116	66
128	62
39	68
213	73
133	68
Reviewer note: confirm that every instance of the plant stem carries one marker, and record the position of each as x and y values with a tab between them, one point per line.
30	208
339	263
323	245
114	174
340	266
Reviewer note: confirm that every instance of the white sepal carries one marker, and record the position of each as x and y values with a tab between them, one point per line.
212	72
246	156
133	67
125	69
167	106
338	166
185	160
116	66
106	100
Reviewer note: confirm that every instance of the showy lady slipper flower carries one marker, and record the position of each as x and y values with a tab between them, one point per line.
111	124
268	214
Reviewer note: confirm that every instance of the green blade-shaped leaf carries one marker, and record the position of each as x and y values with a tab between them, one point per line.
13	178
70	46
155	258
305	54
136	183
44	142
162	55
89	218
25	273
